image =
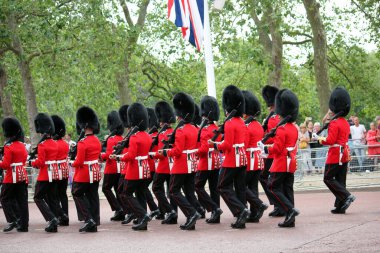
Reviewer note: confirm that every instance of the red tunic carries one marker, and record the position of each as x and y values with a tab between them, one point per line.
137	156
152	162
286	138
63	151
14	153
255	133
185	141
373	144
47	153
272	123
111	165
163	162
234	134
337	137
88	150
208	158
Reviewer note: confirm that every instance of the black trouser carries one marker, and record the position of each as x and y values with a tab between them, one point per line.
45	199
62	195
264	176
149	198
202	176
158	188
136	204
15	193
54	197
86	197
121	194
280	186
185	181
112	181
335	180
228	179
190	193
252	191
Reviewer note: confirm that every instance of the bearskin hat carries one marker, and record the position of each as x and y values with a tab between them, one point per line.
269	94
233	99
44	124
184	106
197	119
114	123
153	121
12	128
87	118
252	104
210	108
286	103
59	125
164	112
138	116
124	116
340	101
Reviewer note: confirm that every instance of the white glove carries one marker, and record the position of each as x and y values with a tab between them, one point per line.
315	136
260	145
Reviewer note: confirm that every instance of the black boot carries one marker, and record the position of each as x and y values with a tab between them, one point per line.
256	218
190	225
348	202
143	224
241	219
10	227
290	219
89	226
22	229
118	216
52	226
338	210
171	218
63	220
202	213
136	221
215	216
154	213
128	219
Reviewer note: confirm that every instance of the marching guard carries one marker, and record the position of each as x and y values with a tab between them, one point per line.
338	154
112	168
14	188
209	160
87	170
62	172
284	150
166	117
232	174
254	134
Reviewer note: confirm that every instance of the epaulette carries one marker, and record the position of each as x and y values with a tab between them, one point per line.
83	139
8	144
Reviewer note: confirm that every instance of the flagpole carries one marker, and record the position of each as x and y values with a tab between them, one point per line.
209	59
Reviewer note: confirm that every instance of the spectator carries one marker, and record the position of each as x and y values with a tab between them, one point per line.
27	144
304	149
320	151
358	140
373	138
69	140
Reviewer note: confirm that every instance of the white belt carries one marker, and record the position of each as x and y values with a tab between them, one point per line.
89	163
61	161
50	173
252	157
188	158
288	158
14	172
340	152
140	165
237	154
152	153
118	166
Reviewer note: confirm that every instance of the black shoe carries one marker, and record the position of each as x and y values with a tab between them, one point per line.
252	218
237	226
290	219
52	226
63	220
154	214
128	219
215	216
348	202
260	212
136	221
143	224
289	225
190	225
89	226
161	216
10	227
22	229
338	210
171	218
277	212
118	216
241	219
202	213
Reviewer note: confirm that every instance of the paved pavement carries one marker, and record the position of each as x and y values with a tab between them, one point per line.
317	230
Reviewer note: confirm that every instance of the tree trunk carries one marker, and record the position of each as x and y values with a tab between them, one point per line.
23	65
123	84
320	54
5	98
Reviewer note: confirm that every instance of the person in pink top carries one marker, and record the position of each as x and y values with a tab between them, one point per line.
373	142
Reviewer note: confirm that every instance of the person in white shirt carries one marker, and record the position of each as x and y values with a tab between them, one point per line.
27	144
358	134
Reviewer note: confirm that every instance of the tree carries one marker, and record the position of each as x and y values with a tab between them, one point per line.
5	99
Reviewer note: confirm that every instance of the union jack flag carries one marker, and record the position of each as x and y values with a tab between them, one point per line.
189	16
